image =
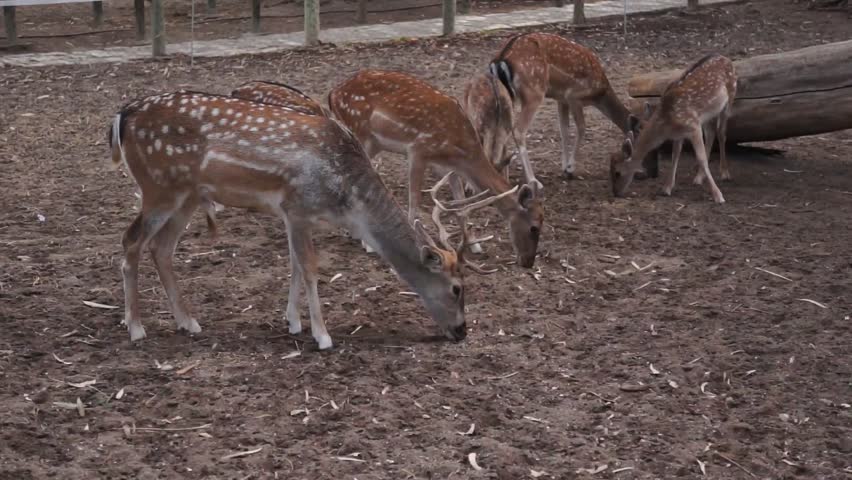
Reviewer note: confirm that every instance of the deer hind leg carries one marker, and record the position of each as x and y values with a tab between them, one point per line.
709	131
723	140
302	249
697	142
140	232
677	146
162	249
294	320
457	189
525	119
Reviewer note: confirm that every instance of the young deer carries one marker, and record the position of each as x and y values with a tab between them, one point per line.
396	112
698	102
189	149
489	106
272	93
535	66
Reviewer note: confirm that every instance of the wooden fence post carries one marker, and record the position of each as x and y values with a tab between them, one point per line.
98	12
211	7
692	3
158	28
255	16
11	27
579	12
449	13
464	7
312	22
362	11
139	12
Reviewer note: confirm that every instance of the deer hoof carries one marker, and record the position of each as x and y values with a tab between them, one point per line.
324	342
137	332
190	325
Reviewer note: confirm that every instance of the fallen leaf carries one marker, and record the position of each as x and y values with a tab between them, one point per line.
291	355
471	458
242	454
87	383
99	305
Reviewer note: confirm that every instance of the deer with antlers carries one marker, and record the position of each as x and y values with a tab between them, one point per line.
396	112
535	66
695	106
188	149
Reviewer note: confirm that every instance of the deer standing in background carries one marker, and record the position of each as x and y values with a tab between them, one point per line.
536	66
189	149
698	102
399	113
489	106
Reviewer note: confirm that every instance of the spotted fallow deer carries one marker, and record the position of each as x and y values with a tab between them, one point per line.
536	66
489	106
396	112
698	102
189	149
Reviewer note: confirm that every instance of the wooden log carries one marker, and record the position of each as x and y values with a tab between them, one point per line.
158	29
312	22
11	25
781	95
98	13
449	15
255	16
362	11
139	13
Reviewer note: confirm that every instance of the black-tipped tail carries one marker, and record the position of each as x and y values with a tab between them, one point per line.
503	71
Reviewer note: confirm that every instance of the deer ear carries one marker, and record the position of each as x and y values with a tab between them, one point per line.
632	123
430	258
649	110
627	147
526	194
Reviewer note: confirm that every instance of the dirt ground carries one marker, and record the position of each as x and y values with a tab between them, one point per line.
699	359
66	27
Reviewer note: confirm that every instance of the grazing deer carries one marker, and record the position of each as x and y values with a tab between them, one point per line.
399	113
698	102
272	93
535	66
489	106
188	149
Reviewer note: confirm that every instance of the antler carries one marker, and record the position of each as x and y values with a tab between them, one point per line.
461	208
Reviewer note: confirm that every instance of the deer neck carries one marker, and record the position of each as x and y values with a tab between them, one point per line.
485	177
612	107
651	137
378	220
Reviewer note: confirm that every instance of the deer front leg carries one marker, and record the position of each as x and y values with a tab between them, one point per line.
697	142
570	153
677	146
416	170
457	189
162	251
305	255
294	320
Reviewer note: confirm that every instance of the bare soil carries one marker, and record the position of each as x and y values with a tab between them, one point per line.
700	358
66	27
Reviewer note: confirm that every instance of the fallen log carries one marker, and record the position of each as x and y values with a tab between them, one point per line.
782	95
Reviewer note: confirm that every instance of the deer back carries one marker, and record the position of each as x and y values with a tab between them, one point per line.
272	93
701	92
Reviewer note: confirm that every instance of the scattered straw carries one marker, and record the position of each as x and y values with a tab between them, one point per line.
773	274
242	454
814	302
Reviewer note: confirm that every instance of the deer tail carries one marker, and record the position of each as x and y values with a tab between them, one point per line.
115	139
503	71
